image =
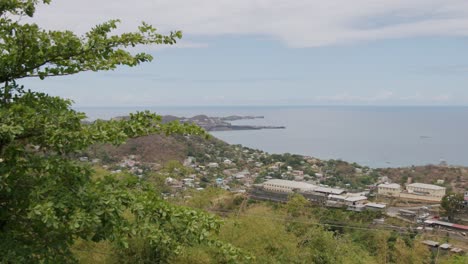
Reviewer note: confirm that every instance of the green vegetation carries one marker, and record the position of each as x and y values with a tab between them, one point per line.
452	203
56	209
299	233
48	200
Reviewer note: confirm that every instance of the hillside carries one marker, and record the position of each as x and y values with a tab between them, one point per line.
160	148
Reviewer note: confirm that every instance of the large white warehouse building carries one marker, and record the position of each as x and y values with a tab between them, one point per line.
284	186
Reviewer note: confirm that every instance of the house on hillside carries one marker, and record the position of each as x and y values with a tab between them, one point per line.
213	165
414	191
285	186
426	189
389	189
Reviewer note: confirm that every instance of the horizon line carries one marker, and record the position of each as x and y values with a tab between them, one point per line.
276	105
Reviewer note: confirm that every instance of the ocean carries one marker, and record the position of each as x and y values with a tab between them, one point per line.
375	136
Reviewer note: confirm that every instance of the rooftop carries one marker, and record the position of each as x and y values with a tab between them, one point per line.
426	186
376	205
291	184
329	190
390	185
430	243
445	246
347	198
355	198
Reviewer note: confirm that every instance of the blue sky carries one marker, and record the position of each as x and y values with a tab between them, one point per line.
271	53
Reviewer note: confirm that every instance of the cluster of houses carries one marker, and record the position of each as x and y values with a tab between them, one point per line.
445	246
224	174
190	182
331	197
414	191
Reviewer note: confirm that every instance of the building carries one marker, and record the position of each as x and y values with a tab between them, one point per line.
414	191
346	200
285	186
354	200
445	246
327	190
431	243
456	250
298	172
426	190
315	197
213	165
389	189
375	206
356	207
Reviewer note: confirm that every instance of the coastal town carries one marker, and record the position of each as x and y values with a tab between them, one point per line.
333	184
314	132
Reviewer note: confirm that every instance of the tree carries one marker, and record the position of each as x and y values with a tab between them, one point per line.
297	205
452	203
47	198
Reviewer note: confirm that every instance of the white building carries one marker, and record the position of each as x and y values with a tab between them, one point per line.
376	206
347	200
414	191
284	186
390	189
328	190
213	165
426	189
298	172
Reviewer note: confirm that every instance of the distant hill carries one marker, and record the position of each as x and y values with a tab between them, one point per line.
159	148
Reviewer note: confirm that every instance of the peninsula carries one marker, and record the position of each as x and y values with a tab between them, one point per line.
216	123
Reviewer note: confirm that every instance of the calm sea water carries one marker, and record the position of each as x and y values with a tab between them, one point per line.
368	135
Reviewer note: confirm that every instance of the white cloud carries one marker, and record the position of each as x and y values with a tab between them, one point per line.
299	23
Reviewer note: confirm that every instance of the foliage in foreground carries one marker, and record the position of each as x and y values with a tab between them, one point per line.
298	233
48	200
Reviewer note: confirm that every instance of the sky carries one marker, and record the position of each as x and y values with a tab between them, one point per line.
275	52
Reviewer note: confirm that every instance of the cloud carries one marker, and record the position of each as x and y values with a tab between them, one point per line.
299	23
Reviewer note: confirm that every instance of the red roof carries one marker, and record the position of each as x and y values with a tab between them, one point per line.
463	227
